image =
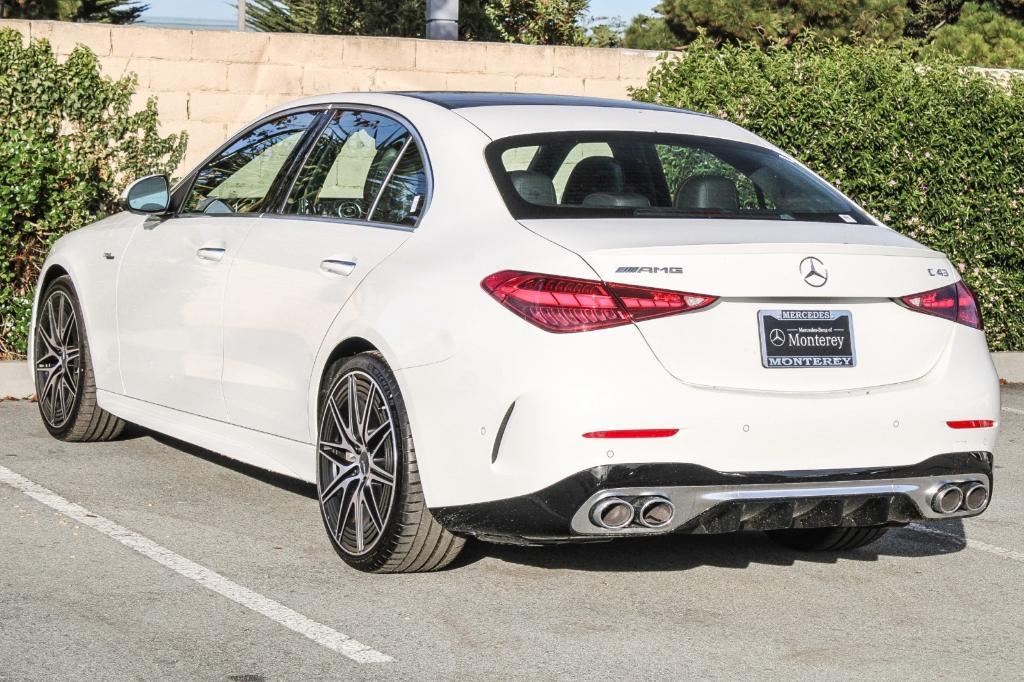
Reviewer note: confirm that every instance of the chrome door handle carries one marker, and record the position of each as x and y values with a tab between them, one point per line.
210	253
338	267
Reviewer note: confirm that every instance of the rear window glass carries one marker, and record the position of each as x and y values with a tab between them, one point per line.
652	175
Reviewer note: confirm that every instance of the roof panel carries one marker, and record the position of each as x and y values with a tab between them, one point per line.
464	100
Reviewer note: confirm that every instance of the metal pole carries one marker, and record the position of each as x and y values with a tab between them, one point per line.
241	15
443	19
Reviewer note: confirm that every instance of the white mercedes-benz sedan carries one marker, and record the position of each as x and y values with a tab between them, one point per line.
527	319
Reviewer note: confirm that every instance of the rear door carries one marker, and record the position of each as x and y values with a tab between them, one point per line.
173	274
355	199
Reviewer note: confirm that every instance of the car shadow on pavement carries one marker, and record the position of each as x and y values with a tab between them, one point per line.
733	550
664	553
287	483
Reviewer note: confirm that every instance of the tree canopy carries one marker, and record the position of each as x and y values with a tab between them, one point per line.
362	17
105	11
980	32
547	22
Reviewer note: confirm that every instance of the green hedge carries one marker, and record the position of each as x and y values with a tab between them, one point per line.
69	143
933	149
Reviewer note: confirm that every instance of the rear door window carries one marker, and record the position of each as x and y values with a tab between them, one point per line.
365	166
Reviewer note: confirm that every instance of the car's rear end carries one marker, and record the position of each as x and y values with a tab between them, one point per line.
749	350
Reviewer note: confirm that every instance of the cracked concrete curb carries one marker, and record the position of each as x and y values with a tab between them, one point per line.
15	379
1009	366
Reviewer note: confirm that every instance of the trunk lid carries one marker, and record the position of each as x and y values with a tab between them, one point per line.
762	267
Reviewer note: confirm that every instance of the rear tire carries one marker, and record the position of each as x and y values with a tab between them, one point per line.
827	539
368	482
65	385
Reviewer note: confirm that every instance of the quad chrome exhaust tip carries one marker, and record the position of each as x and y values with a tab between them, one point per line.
612	513
975	497
656	512
948	498
616	513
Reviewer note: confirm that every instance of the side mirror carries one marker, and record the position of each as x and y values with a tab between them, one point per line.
151	194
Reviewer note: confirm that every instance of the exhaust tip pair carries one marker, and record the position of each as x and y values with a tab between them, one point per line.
951	497
615	513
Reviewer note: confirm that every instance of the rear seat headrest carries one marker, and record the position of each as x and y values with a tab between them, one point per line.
533	186
708	192
591	175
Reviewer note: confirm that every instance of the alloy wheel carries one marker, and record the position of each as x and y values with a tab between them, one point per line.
357	461
58	358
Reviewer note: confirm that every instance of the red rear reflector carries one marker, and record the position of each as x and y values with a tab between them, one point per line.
971	424
954	302
633	433
566	304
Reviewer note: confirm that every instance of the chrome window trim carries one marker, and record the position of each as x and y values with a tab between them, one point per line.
193	175
332	219
427	169
387	179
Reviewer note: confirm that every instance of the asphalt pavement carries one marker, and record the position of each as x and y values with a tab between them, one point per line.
150	559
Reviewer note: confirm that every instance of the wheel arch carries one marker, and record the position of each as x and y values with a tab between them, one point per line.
364	340
346	348
49	272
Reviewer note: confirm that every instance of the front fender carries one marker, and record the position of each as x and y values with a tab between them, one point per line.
91	257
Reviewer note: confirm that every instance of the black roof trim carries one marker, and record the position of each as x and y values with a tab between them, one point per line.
463	100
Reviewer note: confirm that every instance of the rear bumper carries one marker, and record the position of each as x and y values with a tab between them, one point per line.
709	501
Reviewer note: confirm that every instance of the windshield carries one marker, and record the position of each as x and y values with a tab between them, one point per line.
653	175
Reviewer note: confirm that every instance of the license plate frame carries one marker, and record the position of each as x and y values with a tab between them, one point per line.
802	338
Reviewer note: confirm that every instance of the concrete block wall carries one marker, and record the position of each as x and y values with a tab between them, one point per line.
210	83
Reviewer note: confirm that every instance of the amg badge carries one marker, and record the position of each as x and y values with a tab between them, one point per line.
672	270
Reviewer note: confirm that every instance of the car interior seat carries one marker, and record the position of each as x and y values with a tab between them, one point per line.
594	174
708	193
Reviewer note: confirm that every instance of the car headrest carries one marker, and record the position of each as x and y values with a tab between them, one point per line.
616	200
708	192
592	175
533	186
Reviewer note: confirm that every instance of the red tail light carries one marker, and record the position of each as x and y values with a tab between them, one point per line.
633	433
954	302
565	304
971	424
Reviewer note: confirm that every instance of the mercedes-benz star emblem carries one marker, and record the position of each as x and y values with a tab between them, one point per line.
814	271
777	337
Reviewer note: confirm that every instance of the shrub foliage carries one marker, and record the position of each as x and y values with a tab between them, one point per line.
69	143
933	149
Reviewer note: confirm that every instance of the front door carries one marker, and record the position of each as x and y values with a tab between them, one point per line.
355	200
171	285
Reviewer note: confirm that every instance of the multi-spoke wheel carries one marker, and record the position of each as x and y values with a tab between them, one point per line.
58	358
367	479
65	387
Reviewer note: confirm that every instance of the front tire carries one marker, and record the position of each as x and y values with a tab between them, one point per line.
827	539
368	483
65	385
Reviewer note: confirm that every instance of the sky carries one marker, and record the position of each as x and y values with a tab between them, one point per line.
223	10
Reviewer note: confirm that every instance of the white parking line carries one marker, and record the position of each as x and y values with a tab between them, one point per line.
973	544
1014	410
279	613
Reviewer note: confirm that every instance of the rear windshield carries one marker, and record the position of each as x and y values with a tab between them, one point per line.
652	175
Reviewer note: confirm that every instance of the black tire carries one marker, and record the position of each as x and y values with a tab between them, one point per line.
354	464
827	539
63	360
